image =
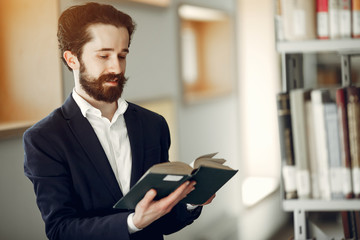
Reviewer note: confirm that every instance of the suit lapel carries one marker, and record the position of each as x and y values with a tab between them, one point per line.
135	133
91	145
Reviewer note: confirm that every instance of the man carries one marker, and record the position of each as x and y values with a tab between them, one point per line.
86	155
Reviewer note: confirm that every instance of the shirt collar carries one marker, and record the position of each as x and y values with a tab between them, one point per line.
86	107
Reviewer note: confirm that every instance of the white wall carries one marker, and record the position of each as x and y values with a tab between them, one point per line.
20	217
259	81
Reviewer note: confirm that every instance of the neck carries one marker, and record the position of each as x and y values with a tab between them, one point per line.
107	109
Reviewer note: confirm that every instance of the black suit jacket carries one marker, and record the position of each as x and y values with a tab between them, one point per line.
74	184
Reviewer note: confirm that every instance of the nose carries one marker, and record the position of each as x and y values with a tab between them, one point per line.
115	66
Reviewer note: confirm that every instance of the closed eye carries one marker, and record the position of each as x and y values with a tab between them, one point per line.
122	56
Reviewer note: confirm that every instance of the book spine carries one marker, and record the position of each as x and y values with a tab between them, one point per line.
357	224
349	225
310	19
355	12
317	98
346	224
345	18
322	19
353	108
353	228
298	123
298	19
353	111
315	191
286	145
341	101
346	216
334	28
279	25
334	150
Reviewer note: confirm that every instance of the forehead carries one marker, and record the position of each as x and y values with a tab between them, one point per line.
107	36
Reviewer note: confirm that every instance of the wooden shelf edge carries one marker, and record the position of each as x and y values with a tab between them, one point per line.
313	205
14	129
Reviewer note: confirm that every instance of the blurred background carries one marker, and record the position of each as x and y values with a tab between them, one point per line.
209	66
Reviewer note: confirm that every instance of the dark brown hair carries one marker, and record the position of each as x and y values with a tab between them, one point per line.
74	22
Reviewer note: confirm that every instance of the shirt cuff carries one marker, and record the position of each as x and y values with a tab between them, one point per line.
190	207
131	226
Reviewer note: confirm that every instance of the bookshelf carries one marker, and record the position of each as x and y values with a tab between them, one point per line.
290	51
293	61
345	49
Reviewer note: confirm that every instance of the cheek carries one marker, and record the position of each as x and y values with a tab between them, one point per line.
94	69
123	66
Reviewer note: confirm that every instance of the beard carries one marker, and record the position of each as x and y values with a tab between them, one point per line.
95	88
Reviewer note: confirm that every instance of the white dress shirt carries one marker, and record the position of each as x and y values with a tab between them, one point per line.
114	140
113	137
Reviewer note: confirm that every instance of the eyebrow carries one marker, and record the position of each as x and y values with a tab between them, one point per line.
112	49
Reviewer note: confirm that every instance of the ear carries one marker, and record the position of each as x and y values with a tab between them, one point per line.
71	60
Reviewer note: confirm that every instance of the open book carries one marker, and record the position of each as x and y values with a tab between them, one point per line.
209	173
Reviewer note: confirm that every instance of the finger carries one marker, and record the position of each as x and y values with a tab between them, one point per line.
149	197
178	194
189	188
174	198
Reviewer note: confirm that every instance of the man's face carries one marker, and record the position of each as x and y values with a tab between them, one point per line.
103	62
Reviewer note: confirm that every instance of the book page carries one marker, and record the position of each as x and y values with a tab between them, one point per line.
210	155
171	168
211	162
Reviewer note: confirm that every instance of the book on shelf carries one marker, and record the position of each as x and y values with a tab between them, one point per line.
334	18
341	101
322	19
209	173
355	18
345	18
319	140
350	219
346	224
314	177
354	225
298	100
353	107
334	149
318	99
351	224
356	229
327	142
279	29
347	217
298	19
286	145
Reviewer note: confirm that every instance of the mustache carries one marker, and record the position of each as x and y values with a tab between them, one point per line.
112	77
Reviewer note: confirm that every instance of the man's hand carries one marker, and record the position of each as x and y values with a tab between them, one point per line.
147	210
